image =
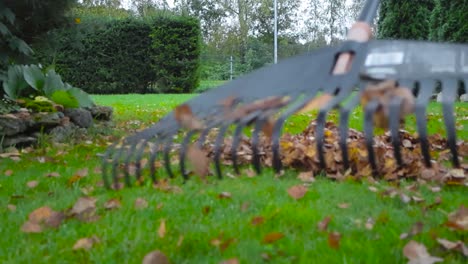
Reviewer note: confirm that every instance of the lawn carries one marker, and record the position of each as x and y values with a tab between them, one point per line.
251	219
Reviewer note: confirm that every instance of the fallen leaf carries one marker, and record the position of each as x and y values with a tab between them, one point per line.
343	205
162	228
230	261
373	189
405	198
31	227
250	173
334	240
155	257
297	191
85	243
11	207
52	175
245	207
179	241
199	160
417	254
184	116
316	103
82	172
32	184
8	173
307	176
272	237
225	195
140	203
40	218
83	205
457	173
370	223
417	228
456	246
112	204
459	219
257	220
206	210
323	225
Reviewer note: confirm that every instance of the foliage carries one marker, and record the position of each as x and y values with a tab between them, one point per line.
8	106
38	105
401	19
113	55
176	50
29	81
449	21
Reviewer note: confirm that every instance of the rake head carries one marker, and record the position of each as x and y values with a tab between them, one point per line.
266	98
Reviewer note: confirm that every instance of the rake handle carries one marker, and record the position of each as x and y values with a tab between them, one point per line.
361	32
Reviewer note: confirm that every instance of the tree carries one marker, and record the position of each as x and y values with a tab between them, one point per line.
448	21
400	19
106	3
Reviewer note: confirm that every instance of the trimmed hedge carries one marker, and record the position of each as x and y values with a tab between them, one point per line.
109	56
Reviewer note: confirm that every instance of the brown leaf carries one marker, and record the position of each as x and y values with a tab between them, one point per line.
250	173
457	246
162	228
84	205
417	254
8	173
373	189
42	217
225	195
245	207
11	207
334	240
155	257
179	241
230	261
316	103
31	227
306	176
370	223
297	192
85	243
257	220
52	175
184	116
459	219
417	228
140	203
323	225
112	204
32	184
199	159
267	127
343	205
82	172
272	237
206	210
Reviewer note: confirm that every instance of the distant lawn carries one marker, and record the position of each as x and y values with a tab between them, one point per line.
251	219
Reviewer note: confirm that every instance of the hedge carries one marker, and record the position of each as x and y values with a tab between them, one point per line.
110	56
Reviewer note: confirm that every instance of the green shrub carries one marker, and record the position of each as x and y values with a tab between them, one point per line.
108	55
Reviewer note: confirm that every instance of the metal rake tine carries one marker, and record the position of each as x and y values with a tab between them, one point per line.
183	151
105	162
138	156
426	87
151	161
344	125
255	140
394	123
370	109
129	156
449	92
235	144
115	163
167	158
217	149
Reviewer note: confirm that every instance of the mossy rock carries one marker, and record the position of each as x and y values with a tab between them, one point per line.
39	106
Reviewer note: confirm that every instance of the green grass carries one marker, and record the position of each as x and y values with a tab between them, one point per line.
198	215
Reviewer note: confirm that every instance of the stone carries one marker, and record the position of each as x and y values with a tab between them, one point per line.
464	97
66	133
11	124
80	117
18	140
47	120
102	112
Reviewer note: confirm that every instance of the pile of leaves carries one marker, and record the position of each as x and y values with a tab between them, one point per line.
300	152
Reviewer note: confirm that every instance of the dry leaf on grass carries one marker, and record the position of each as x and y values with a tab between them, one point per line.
307	177
140	203
225	195
323	225
459	219
32	184
257	220
199	160
417	254
11	207
85	243
455	246
155	257
112	204
343	205
82	172
230	261
334	240
52	175
370	223
162	228
316	103
85	209
417	228
184	116
297	192
272	237
8	173
40	218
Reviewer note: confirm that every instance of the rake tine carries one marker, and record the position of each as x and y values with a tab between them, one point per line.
151	161
370	109
344	122
138	156
217	149
235	144
255	140
115	163
105	162
128	158
449	92
183	151
426	87
167	158
394	123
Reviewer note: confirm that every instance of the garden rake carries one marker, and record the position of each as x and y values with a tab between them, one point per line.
330	78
